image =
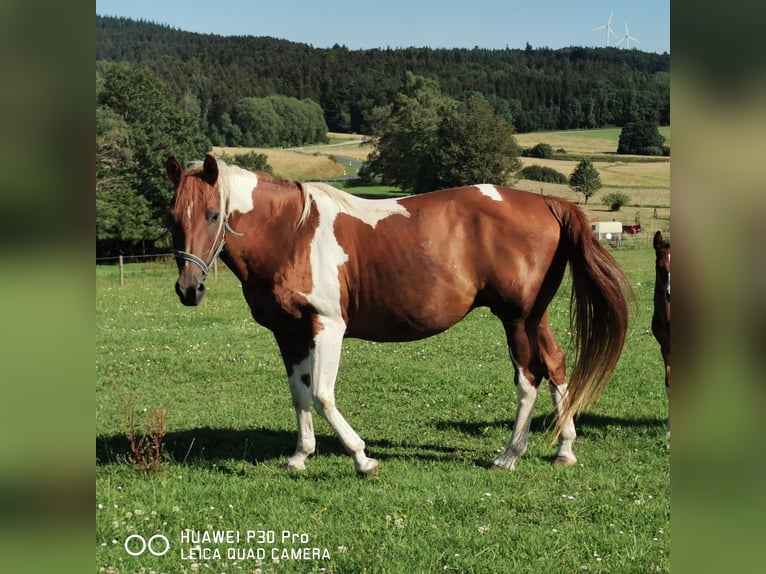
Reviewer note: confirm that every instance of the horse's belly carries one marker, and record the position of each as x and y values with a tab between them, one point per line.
405	322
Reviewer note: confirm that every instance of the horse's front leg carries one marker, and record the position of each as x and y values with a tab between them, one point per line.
326	360
297	359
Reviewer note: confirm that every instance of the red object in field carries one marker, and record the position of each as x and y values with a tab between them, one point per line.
631	229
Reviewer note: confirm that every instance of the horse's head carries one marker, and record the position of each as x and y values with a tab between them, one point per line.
662	252
197	224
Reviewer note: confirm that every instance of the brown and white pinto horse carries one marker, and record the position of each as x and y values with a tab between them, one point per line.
661	317
317	265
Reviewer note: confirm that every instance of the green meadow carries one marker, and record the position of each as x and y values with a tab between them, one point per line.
435	413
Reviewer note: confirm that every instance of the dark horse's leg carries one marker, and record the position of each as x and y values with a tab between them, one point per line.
529	370
666	359
536	355
554	360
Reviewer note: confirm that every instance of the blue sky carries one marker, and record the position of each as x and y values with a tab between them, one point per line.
360	24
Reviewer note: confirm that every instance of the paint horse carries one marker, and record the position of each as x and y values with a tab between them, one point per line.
661	316
317	265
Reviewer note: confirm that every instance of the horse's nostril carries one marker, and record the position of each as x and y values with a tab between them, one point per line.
201	287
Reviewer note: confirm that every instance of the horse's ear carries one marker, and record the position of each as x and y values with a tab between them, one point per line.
174	170
210	169
658	243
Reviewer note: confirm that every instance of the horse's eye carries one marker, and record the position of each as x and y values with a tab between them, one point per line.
212	216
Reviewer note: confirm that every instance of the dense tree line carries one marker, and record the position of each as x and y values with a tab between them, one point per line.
214	78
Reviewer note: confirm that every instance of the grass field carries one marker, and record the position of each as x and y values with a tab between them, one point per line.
434	412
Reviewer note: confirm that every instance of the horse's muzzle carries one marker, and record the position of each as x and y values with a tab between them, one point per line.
190	290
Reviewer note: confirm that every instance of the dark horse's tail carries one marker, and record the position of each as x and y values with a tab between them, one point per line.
599	307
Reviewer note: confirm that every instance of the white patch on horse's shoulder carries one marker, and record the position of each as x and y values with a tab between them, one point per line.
369	211
239	184
489	190
326	257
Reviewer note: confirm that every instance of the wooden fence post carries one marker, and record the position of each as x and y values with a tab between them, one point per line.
122	272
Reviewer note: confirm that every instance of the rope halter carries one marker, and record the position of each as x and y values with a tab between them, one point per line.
205	267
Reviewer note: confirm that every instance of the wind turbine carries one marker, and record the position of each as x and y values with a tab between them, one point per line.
627	38
608	28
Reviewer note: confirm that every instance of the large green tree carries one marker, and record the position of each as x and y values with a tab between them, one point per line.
259	122
138	127
430	141
641	138
475	145
405	151
123	216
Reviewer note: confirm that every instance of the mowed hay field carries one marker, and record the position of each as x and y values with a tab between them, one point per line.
291	164
311	162
646	181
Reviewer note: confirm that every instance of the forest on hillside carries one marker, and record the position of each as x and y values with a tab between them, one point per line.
218	79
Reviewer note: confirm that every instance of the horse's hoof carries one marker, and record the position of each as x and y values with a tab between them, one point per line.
370	472
564	461
292	467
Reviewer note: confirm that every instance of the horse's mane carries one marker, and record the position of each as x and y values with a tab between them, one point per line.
341	199
225	173
309	191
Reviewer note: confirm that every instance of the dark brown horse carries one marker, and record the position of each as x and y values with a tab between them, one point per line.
661	317
317	265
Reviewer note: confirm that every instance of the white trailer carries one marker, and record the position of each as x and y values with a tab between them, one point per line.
607	230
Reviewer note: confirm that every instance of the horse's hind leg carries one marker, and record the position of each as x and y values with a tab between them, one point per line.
524	353
554	360
666	360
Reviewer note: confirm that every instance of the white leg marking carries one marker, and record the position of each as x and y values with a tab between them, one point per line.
565	456
326	360
301	394
520	437
667	392
667	287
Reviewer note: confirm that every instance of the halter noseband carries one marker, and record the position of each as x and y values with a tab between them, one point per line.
205	267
